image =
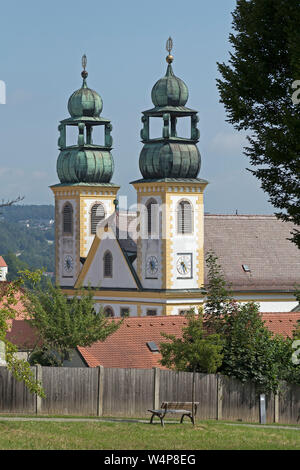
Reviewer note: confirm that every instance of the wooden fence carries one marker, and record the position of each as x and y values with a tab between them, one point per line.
131	392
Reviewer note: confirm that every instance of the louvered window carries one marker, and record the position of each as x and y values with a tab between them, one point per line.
67	218
107	264
152	217
108	312
97	214
185	217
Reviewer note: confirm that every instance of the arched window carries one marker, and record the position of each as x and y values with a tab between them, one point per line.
184	217
97	214
152	214
68	218
108	312
107	264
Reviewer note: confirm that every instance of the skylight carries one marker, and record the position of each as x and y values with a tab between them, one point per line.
246	268
152	346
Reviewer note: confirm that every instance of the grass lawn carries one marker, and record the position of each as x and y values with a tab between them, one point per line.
207	435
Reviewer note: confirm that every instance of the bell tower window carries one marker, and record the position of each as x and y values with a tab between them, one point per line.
184	217
97	214
152	216
68	219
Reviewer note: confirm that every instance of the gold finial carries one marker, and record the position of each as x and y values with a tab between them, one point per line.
169	47
84	73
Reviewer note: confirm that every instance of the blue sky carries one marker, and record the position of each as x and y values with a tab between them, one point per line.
40	62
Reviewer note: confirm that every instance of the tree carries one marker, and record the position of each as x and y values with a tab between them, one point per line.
64	323
256	89
250	352
196	351
19	368
219	302
11	202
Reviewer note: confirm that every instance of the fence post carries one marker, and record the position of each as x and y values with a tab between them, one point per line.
39	378
100	390
276	407
156	373
219	397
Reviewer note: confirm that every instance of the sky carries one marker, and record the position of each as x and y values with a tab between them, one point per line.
40	62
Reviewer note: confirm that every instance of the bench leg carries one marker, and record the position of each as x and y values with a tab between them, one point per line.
190	416
161	417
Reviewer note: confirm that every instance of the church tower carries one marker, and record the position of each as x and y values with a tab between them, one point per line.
85	194
170	246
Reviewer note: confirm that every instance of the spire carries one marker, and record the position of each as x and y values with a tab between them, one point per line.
169	47
84	73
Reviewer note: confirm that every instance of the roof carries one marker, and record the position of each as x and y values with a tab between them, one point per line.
2	263
22	335
127	347
19	332
281	323
18	307
258	241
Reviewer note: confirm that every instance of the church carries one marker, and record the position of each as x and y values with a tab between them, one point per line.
152	262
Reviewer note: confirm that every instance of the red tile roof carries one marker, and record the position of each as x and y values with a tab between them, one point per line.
19	332
18	307
127	347
22	335
281	323
2	263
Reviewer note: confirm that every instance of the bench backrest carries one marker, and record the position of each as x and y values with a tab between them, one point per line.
180	405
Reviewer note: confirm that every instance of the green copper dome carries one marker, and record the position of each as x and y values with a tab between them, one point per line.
85	102
171	155
169	90
85	166
85	162
169	160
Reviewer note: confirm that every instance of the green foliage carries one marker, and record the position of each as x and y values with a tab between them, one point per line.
44	357
20	368
218	298
256	90
64	323
195	351
251	352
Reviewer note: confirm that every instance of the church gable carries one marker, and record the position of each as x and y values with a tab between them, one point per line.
107	265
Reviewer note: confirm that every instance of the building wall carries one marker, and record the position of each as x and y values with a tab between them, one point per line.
121	277
3	273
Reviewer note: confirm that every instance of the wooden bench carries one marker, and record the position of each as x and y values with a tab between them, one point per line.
185	408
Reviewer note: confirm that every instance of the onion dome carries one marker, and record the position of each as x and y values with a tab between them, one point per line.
171	155
169	160
169	90
86	161
85	102
85	166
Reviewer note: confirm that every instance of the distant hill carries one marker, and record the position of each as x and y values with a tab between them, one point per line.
19	212
27	237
